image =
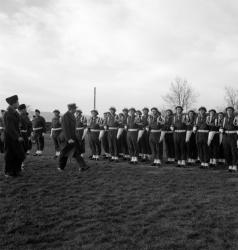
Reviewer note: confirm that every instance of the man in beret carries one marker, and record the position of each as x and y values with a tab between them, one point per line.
69	143
25	128
2	132
55	131
169	137
179	128
112	124
94	126
201	129
39	130
230	137
14	151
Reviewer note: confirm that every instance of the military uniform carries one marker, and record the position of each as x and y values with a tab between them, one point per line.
221	157
202	129
2	133
169	137
94	127
120	139
81	125
229	130
39	128
104	139
56	131
14	151
179	128
155	124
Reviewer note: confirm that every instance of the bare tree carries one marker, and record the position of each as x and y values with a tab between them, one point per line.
181	93
231	96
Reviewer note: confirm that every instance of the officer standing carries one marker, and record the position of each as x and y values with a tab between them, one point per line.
39	130
55	131
69	142
14	151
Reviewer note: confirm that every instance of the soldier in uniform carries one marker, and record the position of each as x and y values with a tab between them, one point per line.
155	124
112	124
25	128
179	128
104	138
140	133
94	124
221	157
39	130
191	147
145	145
229	130
120	139
2	132
213	137
132	128
69	143
56	131
201	129
169	137
124	135
81	125
14	151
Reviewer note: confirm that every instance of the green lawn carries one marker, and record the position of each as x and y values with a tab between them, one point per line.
118	206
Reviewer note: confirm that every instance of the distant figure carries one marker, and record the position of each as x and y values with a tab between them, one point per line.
69	141
2	132
39	130
14	151
55	131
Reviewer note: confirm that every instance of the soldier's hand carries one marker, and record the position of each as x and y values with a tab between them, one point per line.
43	134
20	139
70	141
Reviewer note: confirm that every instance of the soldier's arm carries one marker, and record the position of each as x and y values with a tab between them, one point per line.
10	129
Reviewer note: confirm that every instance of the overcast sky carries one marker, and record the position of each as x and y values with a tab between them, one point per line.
53	52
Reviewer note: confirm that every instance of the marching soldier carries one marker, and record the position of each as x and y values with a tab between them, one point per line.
121	129
14	151
56	131
112	124
69	141
221	157
39	130
229	130
140	133
94	124
213	137
191	147
104	137
81	125
179	128
155	124
169	137
201	129
124	134
145	146
2	132
132	135
25	128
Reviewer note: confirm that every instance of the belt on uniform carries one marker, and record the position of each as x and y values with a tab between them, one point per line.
168	132
180	131
155	130
81	128
95	130
113	128
231	132
132	129
23	131
203	131
56	129
35	129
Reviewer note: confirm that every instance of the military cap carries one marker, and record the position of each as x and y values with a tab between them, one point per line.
179	107
230	107
125	109
212	110
94	110
139	112
170	110
121	114
220	113
191	111
72	106
202	108
132	109
21	107
106	113
56	111
154	108
12	99
113	108
79	111
37	111
145	108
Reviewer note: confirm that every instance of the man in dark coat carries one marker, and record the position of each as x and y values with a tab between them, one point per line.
2	132
69	140
14	151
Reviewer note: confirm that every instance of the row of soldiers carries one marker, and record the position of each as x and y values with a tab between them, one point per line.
209	137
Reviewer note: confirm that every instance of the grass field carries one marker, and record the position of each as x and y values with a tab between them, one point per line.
117	206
